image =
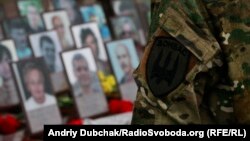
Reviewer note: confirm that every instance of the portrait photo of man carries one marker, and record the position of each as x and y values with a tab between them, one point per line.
37	95
16	29
128	8
88	35
124	60
87	81
48	51
86	87
8	91
32	9
35	84
124	27
71	8
59	21
47	45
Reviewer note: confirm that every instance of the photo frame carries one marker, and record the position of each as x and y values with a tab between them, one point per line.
36	94
47	44
88	35
32	11
124	60
71	7
59	21
17	29
85	85
124	27
128	8
144	11
8	91
95	13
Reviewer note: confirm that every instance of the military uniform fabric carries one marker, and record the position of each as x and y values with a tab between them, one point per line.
183	75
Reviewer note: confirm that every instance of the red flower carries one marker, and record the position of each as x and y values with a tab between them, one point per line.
76	122
126	106
119	106
9	124
114	106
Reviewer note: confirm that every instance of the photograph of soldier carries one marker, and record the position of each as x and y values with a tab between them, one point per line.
82	75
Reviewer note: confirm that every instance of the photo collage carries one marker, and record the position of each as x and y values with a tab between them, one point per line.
53	48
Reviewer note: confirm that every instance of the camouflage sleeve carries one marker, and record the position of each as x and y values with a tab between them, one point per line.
177	51
232	20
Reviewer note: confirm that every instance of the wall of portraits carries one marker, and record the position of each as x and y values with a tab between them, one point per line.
52	49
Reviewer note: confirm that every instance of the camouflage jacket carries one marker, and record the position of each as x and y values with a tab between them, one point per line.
195	67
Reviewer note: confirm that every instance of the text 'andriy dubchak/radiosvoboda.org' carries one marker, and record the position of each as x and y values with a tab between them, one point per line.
123	132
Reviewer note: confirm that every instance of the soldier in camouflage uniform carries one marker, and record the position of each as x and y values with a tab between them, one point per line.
195	67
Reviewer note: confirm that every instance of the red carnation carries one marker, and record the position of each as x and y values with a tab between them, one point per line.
9	124
114	106
126	106
119	106
76	122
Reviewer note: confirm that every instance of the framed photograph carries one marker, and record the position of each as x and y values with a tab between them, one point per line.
124	27
128	8
124	60
8	91
86	88
88	35
47	45
71	8
17	29
144	11
36	94
32	9
60	22
95	13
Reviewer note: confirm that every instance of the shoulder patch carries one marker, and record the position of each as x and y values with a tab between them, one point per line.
166	66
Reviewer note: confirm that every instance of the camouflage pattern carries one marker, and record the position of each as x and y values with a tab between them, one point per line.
217	81
233	21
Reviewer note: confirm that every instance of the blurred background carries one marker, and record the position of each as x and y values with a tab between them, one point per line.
109	34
